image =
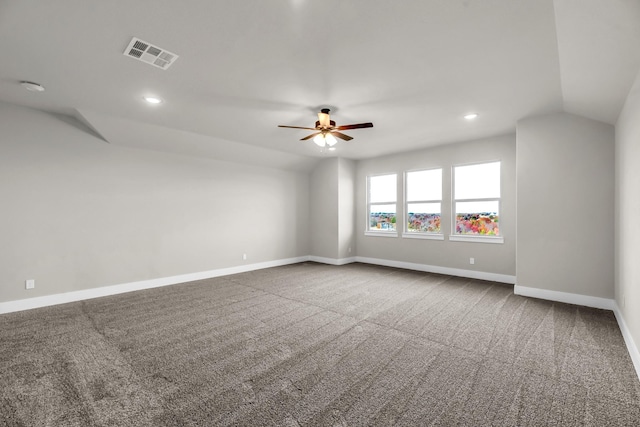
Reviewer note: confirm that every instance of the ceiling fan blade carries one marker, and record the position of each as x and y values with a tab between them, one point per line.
310	136
341	136
324	120
295	127
358	126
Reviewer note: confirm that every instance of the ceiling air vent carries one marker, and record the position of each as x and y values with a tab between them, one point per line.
146	52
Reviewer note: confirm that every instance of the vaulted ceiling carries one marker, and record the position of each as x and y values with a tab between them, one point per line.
411	67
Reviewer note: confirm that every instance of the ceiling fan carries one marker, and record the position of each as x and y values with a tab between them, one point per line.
327	131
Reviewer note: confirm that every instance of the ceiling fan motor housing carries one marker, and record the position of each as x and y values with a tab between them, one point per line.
331	122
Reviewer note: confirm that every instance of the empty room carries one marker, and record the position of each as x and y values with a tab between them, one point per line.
320	213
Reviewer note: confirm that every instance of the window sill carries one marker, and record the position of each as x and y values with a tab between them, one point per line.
476	239
425	236
381	233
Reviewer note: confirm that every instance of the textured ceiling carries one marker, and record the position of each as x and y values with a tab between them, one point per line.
413	68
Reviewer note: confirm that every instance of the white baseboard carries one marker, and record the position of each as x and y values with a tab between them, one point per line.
493	277
577	299
628	339
584	300
63	298
48	300
332	261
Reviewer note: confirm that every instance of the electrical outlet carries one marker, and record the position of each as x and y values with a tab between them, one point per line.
472	261
29	284
244	257
349	250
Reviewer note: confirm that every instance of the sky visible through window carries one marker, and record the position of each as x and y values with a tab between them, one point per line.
423	201
477	199
424	185
383	188
382	202
477	182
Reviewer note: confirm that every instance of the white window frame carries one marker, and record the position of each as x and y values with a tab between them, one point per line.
420	234
380	233
455	237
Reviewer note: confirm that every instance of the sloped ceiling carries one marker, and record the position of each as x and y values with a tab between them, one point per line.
599	51
413	68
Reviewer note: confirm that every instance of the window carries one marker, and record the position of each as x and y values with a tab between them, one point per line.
476	204
423	203
381	203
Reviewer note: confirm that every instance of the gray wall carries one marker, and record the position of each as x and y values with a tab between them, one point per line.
78	213
627	266
565	204
346	208
332	209
323	224
489	258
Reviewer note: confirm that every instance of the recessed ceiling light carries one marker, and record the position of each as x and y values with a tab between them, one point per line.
332	148
33	87
152	99
471	116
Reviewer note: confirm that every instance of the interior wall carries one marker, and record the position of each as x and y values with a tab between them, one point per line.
323	227
627	250
78	213
346	208
565	169
489	257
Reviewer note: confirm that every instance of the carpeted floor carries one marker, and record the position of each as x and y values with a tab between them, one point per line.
311	344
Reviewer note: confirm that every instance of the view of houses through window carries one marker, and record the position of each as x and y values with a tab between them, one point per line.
475	200
423	201
382	190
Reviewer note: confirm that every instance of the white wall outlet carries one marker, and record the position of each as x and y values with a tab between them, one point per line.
29	284
349	250
472	261
244	257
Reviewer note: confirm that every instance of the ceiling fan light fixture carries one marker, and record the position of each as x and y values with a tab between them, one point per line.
325	132
319	140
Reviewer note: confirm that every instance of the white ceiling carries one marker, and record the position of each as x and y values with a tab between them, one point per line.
411	67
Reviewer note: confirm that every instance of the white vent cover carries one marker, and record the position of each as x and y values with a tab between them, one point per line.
146	52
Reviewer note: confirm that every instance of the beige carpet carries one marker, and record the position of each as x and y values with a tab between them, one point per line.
312	344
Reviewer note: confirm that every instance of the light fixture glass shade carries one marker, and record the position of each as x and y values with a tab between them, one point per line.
319	140
331	140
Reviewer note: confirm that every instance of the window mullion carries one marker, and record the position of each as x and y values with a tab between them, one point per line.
491	199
